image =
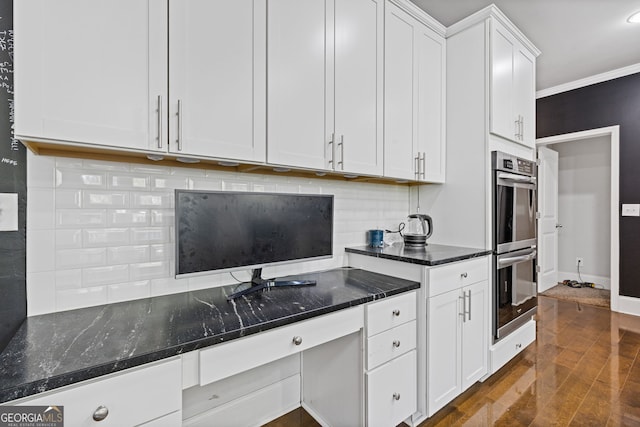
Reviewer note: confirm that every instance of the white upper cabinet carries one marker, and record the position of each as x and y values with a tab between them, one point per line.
430	114
92	72
217	71
512	114
297	73
324	85
414	140
358	86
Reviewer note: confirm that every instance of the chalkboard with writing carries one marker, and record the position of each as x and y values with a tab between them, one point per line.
13	179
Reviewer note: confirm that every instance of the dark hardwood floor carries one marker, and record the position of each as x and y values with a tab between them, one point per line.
583	370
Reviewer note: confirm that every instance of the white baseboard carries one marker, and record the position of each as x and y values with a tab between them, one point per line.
600	281
629	305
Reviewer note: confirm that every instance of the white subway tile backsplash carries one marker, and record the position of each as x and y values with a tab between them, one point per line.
41	294
162	217
102	237
105	275
41	171
129	291
210	184
149	270
68	199
80	258
73	178
104	231
170	182
128	254
128	217
68	279
150	235
105	199
68	218
69	299
68	239
40	208
40	251
157	200
168	285
161	252
123	181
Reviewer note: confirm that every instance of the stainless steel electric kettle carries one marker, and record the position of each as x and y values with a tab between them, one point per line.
417	230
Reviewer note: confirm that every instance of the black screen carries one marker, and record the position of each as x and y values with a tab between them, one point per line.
218	230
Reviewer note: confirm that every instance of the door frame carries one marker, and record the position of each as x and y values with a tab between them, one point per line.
618	303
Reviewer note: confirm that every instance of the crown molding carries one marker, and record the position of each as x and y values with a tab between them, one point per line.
588	81
492	11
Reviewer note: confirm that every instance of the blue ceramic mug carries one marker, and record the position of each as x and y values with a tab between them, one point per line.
375	238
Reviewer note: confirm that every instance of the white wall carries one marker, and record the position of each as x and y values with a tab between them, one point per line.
584	194
101	232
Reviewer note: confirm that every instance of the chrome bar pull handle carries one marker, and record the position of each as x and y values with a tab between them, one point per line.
341	144
464	307
179	114
417	166
159	121
333	150
469	312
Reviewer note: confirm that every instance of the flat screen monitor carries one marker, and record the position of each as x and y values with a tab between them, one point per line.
226	231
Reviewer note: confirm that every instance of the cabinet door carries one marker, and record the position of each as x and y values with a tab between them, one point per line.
524	81
358	86
398	94
475	334
92	72
391	391
217	52
443	349
296	83
430	140
503	118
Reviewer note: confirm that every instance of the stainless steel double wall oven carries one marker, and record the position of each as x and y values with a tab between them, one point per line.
514	242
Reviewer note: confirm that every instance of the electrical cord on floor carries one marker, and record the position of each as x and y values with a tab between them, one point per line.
581	283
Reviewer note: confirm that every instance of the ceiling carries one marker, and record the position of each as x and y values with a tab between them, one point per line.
578	38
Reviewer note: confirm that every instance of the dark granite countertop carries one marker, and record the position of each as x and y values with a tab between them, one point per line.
53	350
431	254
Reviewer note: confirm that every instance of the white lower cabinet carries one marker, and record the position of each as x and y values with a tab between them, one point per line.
391	391
457	330
391	361
149	395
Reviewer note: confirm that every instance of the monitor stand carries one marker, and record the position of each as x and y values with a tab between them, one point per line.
259	284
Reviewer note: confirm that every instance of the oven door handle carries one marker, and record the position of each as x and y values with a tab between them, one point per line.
517	178
505	262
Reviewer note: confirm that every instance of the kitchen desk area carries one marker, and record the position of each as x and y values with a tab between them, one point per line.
302	346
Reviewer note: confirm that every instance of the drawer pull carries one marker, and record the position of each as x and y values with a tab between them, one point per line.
100	413
518	346
396	312
297	340
464	275
396	343
396	396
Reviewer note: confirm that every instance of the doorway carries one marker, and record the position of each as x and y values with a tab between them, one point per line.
589	219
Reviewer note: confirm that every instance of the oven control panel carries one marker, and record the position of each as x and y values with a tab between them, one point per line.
506	162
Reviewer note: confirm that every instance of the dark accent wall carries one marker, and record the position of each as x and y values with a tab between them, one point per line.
13	179
610	103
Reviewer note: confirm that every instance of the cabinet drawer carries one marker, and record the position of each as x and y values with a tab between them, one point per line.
388	313
390	344
224	360
131	397
391	391
507	348
456	275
